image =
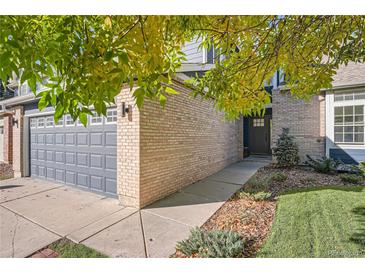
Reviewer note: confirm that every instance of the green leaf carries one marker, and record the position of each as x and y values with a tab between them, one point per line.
124	57
108	55
32	82
83	118
163	100
43	102
171	91
58	112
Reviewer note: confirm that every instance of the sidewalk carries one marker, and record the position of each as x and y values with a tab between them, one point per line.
155	230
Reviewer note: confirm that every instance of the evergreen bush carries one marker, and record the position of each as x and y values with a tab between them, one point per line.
286	150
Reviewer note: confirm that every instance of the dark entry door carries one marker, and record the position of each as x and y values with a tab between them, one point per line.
259	135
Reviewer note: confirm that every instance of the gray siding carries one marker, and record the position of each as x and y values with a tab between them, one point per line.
352	74
194	55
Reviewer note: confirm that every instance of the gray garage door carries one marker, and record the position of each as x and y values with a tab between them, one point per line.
68	152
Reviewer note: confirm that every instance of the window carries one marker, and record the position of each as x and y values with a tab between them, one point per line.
111	116
60	122
40	122
258	122
49	121
69	121
349	124
349	96
33	122
96	119
78	123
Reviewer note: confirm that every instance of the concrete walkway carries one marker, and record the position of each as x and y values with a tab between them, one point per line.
155	230
35	213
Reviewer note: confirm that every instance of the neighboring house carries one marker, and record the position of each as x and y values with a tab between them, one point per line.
143	155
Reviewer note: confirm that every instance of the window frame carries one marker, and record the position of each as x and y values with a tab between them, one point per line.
65	121
343	104
53	123
35	120
107	116
39	119
97	116
258	122
59	120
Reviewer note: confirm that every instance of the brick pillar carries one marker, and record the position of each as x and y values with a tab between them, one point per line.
128	142
18	141
8	139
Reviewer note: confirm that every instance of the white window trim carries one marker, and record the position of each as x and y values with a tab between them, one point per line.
52	122
35	123
44	124
330	121
65	121
96	123
106	118
61	119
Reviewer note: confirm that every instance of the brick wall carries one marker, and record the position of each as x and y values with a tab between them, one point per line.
18	141
305	120
182	143
8	139
6	171
162	150
128	162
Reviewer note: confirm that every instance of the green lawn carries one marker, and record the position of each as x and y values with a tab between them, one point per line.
327	222
68	249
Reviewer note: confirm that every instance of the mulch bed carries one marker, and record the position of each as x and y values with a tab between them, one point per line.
253	219
299	178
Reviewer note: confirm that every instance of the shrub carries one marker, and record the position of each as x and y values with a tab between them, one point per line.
279	177
351	178
323	165
212	244
259	196
255	185
286	150
361	168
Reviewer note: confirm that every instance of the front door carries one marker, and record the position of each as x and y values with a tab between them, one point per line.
259	135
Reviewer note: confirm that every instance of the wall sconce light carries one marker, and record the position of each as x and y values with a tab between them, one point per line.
15	121
125	109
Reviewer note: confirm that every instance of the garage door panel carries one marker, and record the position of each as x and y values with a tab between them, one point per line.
96	139
40	139
75	155
96	161
59	139
110	139
82	139
70	177
110	185
82	159
60	157
70	158
69	139
82	179
50	173
49	155
96	183
110	162
42	171
60	175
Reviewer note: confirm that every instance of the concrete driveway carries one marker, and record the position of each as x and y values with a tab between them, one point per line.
35	213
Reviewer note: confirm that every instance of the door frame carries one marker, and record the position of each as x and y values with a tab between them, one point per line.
268	125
